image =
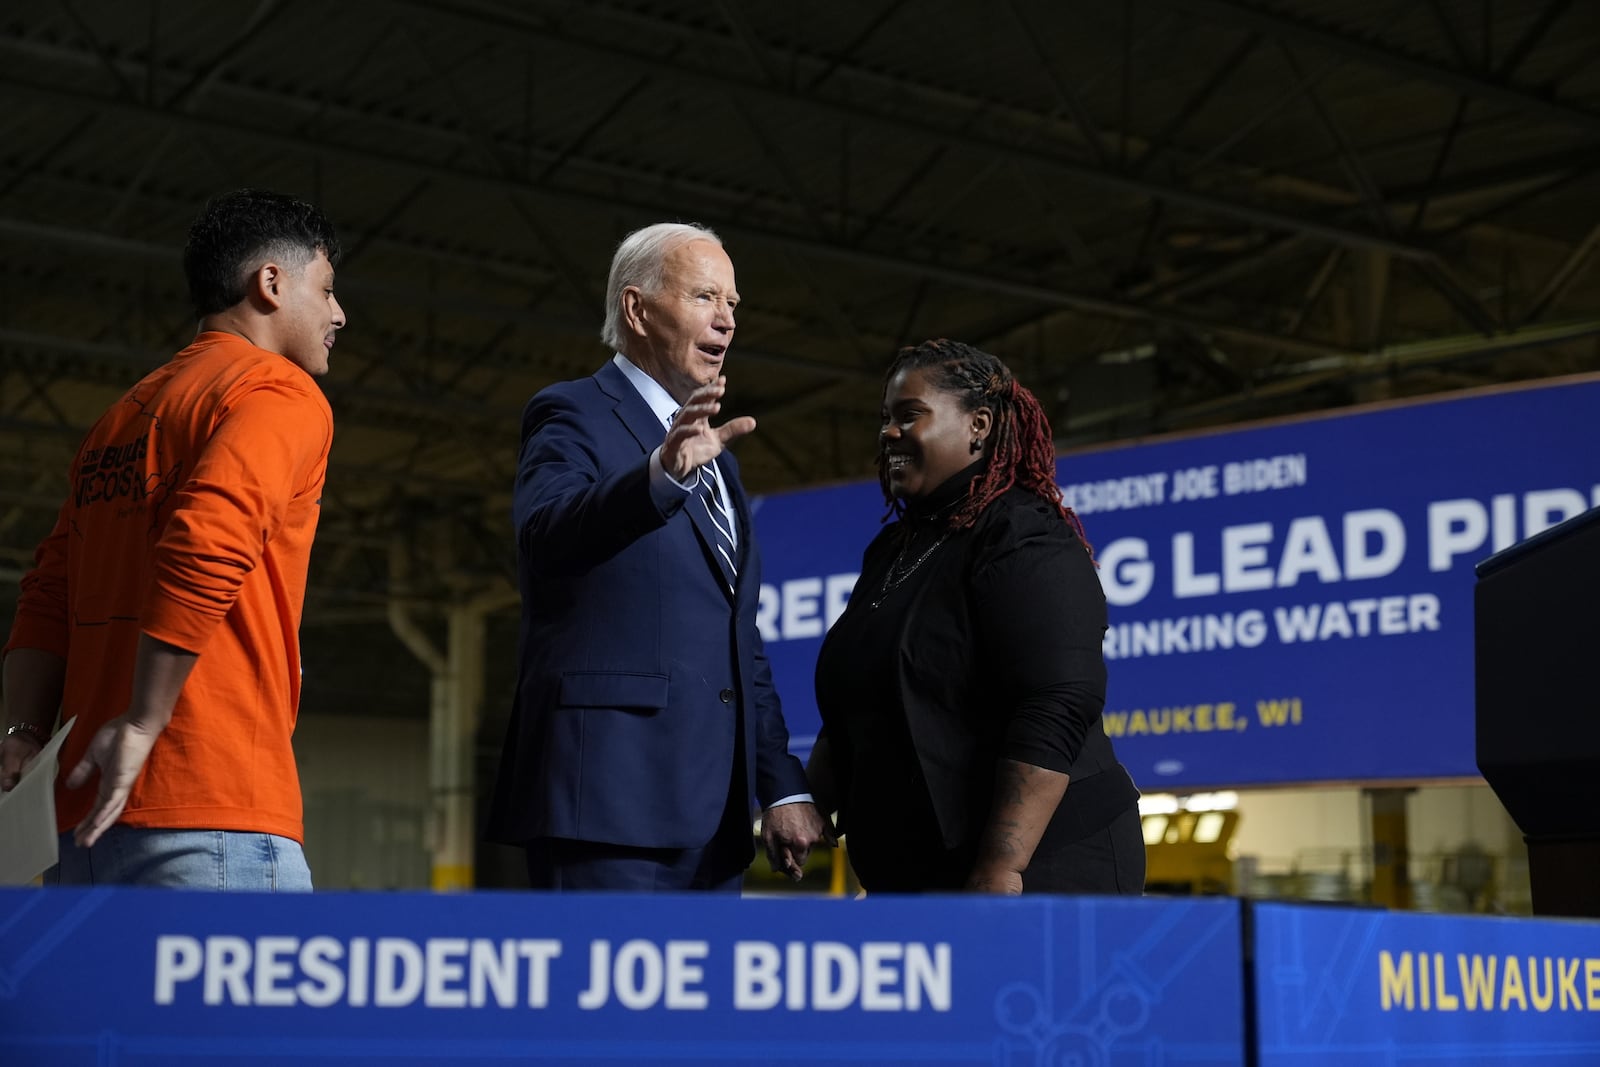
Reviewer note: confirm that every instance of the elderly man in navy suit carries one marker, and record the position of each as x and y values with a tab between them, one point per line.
645	721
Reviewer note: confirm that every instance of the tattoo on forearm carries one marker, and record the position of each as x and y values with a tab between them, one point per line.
1025	797
1006	843
1008	788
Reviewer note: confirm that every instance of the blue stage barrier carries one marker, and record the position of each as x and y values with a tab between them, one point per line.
1348	987
140	978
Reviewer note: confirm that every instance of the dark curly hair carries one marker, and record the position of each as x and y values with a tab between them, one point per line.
1023	448
238	231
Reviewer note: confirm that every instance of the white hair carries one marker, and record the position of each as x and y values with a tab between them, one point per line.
638	262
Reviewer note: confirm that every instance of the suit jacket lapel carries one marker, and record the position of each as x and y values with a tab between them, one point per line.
631	409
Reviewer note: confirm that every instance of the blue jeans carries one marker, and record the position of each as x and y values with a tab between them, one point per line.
184	859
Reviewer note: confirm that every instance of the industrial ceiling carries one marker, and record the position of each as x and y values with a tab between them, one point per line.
1166	214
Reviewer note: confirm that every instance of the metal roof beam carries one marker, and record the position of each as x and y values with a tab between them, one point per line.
1329	229
1282	380
1478	86
980	280
1571	270
859	112
503	22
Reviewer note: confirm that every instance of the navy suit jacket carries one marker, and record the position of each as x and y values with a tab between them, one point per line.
636	664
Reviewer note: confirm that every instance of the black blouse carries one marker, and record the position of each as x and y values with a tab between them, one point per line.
957	649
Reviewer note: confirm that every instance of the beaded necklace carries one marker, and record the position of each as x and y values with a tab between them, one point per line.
900	570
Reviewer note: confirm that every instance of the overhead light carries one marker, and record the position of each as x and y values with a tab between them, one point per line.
1225	800
1127	355
1168	803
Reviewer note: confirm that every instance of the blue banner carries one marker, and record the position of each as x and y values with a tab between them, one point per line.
1289	602
1341	987
142	978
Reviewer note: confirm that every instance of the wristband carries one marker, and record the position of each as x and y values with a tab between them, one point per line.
30	731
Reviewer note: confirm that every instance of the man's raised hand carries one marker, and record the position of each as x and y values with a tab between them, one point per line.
692	441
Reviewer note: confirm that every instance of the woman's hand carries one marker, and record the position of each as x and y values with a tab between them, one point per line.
1001	881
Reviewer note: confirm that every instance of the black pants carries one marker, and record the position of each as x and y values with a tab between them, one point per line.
1106	862
1109	861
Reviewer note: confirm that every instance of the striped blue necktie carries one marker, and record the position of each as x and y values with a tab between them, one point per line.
710	499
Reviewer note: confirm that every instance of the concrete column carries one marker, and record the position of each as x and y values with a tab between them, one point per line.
455	694
457	700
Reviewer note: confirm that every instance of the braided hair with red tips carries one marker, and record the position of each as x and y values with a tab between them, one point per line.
1023	451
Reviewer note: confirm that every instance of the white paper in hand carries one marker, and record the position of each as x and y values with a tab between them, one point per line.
29	845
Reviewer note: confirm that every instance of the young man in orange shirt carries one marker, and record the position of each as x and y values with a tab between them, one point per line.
163	610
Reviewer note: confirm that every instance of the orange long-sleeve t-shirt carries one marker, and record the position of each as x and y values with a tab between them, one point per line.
192	507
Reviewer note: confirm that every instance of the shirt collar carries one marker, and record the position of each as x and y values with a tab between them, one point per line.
942	500
659	399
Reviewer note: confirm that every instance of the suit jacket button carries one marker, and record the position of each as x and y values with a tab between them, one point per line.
726	696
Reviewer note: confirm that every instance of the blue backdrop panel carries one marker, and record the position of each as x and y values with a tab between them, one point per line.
1342	987
141	977
1289	602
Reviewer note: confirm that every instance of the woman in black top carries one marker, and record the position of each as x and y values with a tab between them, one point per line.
961	689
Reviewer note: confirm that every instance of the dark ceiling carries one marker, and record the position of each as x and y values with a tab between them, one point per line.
1165	214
